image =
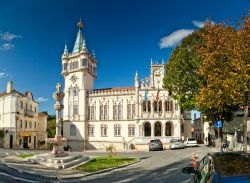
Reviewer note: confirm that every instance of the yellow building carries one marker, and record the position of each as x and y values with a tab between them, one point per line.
23	125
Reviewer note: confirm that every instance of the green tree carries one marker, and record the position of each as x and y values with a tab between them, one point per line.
182	79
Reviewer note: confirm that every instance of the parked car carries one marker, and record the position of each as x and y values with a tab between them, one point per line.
176	144
229	167
155	144
191	142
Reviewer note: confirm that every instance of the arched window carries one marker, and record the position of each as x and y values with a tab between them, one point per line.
144	106
168	129
72	130
149	106
147	129
158	129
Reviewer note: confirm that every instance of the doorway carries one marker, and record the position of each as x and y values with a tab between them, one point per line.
25	142
34	142
11	141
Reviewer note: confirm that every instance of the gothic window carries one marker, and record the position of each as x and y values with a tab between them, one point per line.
169	106
35	109
149	106
168	128
91	112
35	125
72	130
129	111
84	62
91	130
131	130
65	66
133	111
119	111
117	130
144	106
21	124
104	129
160	106
106	112
155	105
75	109
101	112
26	124
21	104
30	124
114	112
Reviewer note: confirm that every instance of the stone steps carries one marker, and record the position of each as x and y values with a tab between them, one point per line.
58	162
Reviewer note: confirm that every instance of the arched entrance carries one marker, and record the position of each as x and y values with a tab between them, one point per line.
168	129
147	129
157	129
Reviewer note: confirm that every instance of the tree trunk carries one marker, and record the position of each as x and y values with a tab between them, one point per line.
245	126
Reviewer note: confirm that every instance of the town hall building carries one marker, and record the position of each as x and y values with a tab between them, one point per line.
127	117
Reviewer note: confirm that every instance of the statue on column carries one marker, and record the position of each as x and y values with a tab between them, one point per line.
58	141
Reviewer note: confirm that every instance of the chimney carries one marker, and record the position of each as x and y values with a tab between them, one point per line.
9	87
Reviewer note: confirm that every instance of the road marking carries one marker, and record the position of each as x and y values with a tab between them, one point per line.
6	153
25	152
16	178
17	153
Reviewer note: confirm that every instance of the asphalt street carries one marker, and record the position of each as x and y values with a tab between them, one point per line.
155	166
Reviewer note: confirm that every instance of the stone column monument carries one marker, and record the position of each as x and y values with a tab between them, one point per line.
58	141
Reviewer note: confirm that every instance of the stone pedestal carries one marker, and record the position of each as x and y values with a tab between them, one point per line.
58	143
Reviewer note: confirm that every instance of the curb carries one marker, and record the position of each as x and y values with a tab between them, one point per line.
103	171
71	176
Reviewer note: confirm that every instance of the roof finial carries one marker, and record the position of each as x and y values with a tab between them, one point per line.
80	24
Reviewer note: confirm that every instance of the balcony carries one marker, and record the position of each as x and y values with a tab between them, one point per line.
29	113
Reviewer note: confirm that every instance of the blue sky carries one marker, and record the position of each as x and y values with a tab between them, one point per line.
124	34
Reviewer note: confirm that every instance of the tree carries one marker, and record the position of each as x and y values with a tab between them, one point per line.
226	69
209	71
51	125
182	79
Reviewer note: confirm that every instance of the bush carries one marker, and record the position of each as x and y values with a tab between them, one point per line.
111	150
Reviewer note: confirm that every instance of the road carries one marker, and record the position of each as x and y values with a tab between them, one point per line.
155	166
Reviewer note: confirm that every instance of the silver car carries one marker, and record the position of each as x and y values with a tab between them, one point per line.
155	145
176	144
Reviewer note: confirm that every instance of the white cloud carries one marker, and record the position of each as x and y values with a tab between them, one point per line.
41	99
6	46
174	38
3	75
200	24
6	36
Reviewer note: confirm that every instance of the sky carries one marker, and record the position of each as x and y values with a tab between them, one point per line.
125	35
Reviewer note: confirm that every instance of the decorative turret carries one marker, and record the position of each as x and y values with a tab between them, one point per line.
65	52
136	80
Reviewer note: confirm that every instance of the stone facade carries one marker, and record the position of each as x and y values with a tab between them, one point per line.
23	125
126	117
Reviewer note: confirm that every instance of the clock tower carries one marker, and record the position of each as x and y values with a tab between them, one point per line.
157	72
79	72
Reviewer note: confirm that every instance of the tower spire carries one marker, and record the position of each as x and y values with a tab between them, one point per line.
80	40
